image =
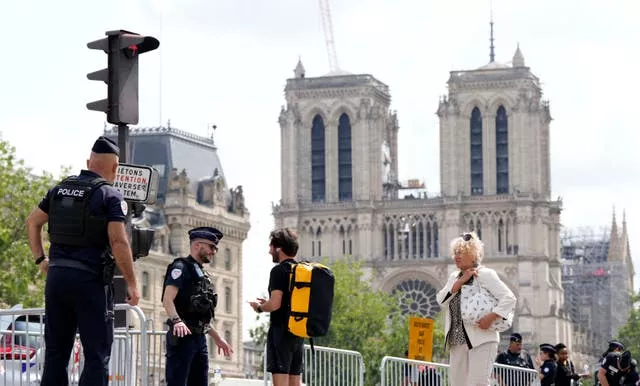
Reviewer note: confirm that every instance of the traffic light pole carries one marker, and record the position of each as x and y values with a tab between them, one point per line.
119	285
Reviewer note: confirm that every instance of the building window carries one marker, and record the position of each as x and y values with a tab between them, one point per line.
227	259
317	160
502	151
227	299
476	152
145	285
344	158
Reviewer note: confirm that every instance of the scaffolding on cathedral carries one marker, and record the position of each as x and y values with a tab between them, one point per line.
596	296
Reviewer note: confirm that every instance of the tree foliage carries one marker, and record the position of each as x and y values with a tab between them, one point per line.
364	320
20	191
629	334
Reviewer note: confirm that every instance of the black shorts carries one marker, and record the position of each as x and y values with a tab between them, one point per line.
284	352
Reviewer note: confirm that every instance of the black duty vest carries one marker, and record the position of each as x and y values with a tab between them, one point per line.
196	302
70	220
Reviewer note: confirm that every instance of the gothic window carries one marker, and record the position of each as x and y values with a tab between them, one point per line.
429	246
502	151
344	241
500	235
479	229
227	299
145	285
421	240
417	298
317	160
435	240
313	248
385	240
350	247
344	158
475	124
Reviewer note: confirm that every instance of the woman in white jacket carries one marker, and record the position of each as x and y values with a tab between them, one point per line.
473	347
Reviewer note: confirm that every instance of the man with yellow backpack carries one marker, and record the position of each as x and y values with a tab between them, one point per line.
300	301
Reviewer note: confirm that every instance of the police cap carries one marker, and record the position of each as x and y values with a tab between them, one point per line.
548	348
104	145
207	233
515	337
614	344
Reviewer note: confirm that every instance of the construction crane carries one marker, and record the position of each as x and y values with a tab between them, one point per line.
327	25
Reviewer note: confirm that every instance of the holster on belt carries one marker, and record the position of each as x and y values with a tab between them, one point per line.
108	268
172	339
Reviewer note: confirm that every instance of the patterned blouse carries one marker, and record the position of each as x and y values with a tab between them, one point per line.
456	332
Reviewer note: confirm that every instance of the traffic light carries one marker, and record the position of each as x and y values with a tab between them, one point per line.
141	240
121	75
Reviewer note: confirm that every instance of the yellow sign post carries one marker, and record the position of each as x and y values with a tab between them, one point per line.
420	338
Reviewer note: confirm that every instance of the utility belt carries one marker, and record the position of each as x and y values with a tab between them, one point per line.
107	270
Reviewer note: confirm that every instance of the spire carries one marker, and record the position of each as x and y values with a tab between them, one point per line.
518	58
614	244
492	54
299	71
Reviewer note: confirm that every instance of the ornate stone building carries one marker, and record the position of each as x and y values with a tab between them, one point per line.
340	187
192	192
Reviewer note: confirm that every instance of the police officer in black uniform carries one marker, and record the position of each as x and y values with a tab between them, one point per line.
548	366
190	301
617	369
86	223
513	355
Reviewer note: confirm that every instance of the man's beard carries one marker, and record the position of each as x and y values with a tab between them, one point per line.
204	257
274	257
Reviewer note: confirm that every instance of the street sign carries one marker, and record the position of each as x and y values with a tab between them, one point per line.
420	338
138	183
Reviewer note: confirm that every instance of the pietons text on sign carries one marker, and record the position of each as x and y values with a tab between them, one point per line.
137	182
420	338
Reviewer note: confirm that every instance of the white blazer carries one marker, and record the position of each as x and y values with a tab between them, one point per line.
488	279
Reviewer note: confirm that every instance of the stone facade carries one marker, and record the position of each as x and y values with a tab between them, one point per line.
404	242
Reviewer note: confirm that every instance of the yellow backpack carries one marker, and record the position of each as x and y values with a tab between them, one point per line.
311	287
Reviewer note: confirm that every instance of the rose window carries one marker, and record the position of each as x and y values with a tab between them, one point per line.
417	298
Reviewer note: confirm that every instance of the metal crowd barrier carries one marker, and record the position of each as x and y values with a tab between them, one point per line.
402	371
327	366
22	349
504	375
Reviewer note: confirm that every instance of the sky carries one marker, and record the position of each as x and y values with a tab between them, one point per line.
226	62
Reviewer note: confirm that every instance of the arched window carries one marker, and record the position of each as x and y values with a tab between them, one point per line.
344	158
475	126
317	160
502	151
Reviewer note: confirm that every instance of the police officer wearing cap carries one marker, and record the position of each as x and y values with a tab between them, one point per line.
189	300
86	222
617	369
513	355
546	359
614	347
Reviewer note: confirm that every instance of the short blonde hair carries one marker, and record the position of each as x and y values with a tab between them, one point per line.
467	243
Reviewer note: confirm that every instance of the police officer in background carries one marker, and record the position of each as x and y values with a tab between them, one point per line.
86	222
548	365
513	355
617	369
189	300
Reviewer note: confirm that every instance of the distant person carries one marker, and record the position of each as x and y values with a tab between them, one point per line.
566	374
473	346
86	217
546	359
